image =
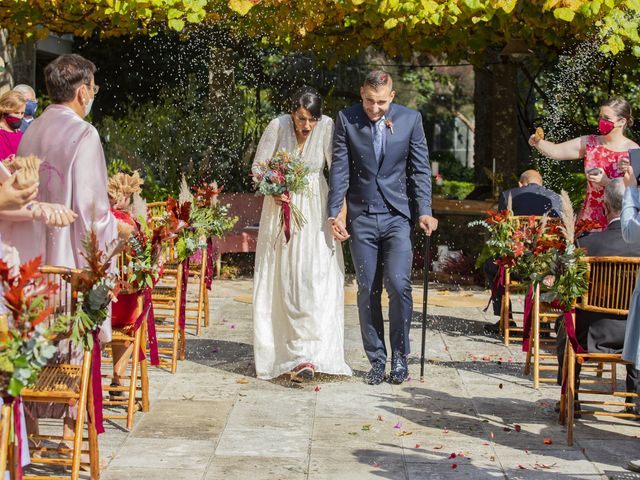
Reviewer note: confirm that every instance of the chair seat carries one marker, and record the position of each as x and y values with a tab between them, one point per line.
59	381
164	291
122	334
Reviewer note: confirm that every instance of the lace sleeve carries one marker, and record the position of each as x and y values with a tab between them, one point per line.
268	143
327	141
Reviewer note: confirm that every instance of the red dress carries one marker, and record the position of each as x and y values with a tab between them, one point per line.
124	312
599	156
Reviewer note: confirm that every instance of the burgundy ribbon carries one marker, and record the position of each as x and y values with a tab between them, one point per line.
570	330
96	383
147	312
17	427
526	319
208	273
497	286
286	218
183	294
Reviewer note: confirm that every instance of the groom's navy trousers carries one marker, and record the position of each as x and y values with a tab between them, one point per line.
381	249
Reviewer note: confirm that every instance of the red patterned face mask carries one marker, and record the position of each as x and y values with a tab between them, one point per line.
605	126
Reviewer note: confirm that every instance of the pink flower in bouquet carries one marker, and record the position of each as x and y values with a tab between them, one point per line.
277	177
549	281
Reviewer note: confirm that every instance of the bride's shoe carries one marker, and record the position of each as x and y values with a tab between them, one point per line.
303	372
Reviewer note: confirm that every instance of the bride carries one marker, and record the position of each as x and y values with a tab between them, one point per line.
298	287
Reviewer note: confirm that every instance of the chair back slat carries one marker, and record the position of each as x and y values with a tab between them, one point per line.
155	211
65	298
610	284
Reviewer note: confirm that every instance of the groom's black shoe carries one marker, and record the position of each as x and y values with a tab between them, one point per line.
399	369
376	374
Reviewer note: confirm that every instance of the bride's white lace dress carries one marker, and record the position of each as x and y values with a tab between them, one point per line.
298	287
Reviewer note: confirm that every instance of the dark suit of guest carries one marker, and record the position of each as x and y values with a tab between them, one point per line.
532	199
384	173
598	332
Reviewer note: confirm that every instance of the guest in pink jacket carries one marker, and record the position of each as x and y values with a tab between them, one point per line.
12	106
74	174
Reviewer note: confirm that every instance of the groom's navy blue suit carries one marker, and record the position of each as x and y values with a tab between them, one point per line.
386	190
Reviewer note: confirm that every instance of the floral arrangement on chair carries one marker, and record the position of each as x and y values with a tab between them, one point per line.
96	286
540	249
143	253
208	215
563	275
203	216
26	343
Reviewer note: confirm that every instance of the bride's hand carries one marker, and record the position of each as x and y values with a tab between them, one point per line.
280	199
339	229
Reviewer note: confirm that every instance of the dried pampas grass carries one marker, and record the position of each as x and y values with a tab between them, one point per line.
185	193
568	218
27	170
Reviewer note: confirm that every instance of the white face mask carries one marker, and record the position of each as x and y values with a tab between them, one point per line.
89	104
87	107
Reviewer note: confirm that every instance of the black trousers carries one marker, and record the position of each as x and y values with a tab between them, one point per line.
597	334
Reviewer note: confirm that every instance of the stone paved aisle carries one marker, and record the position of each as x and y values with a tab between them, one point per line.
213	420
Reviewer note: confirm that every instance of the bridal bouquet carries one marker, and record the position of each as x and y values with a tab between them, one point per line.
285	173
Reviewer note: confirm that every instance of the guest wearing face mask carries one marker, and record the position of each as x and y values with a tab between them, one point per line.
12	106
602	155
31	106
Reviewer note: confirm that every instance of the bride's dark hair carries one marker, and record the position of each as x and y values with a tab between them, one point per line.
309	99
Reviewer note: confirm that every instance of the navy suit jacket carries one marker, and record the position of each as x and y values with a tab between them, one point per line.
403	176
532	199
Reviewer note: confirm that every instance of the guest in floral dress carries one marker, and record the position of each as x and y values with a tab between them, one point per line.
602	155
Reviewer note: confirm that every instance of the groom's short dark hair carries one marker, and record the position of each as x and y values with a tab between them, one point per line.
378	78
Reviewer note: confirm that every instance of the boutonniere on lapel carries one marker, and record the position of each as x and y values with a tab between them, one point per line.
389	124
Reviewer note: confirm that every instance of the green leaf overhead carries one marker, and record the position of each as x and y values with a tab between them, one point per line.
460	29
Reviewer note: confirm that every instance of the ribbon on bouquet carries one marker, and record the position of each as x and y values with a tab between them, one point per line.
96	382
147	312
286	218
526	319
208	273
497	286
183	294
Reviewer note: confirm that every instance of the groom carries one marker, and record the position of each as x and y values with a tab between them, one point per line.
381	164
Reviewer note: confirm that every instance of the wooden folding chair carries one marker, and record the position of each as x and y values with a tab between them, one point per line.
137	372
194	321
506	309
166	301
610	285
5	440
542	351
69	385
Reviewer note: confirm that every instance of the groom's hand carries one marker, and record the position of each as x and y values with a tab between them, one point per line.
428	224
339	229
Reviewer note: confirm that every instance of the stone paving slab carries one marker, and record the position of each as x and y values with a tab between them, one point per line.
474	415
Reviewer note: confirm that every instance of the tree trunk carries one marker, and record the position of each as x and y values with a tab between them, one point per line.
496	159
